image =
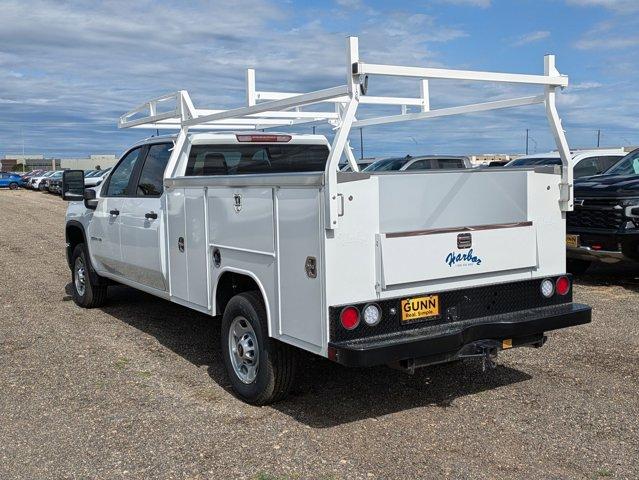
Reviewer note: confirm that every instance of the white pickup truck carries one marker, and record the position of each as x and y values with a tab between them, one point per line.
399	268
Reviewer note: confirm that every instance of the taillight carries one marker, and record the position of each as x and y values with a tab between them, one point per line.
547	288
349	318
562	285
263	138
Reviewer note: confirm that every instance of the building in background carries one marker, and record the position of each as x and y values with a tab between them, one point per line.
26	163
90	163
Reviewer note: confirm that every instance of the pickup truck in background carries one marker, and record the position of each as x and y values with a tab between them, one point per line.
604	226
364	268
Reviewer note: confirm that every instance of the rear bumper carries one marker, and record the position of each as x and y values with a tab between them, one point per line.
441	343
613	246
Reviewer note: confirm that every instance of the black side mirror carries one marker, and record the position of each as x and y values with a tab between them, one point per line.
90	199
73	185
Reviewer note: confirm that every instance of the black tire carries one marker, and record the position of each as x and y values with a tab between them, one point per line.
576	266
275	370
13	186
95	289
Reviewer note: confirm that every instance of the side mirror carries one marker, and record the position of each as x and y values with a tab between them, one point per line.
73	185
90	199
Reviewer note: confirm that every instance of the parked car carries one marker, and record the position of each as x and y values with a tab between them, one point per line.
362	163
55	184
424	162
44	184
33	173
604	226
50	183
97	178
34	183
10	180
587	162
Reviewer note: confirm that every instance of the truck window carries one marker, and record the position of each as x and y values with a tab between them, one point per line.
255	158
628	165
420	165
119	181
607	161
587	167
151	177
445	163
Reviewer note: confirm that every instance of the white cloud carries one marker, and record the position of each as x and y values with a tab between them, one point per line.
531	37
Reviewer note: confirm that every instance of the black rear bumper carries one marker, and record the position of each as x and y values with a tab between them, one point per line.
444	342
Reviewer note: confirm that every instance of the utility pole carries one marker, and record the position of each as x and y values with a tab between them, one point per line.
526	141
598	138
361	144
23	159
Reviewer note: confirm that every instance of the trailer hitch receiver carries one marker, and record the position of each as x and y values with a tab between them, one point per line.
486	349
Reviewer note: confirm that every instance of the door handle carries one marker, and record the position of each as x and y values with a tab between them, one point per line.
150	215
114	212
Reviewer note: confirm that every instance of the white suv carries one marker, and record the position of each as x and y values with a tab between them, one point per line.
587	162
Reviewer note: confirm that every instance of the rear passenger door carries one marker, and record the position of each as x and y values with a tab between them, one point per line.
142	227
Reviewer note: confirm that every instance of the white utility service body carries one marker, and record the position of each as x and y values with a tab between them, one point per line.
472	245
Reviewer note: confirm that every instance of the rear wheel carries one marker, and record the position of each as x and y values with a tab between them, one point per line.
13	186
260	368
576	266
88	291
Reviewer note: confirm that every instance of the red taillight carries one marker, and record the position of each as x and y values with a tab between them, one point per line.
349	318
263	138
562	286
596	246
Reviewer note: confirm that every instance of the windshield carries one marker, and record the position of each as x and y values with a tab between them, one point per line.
628	165
523	162
387	165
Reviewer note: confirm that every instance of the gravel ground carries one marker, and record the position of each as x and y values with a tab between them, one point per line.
137	389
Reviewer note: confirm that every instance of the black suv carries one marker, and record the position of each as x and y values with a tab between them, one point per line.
604	227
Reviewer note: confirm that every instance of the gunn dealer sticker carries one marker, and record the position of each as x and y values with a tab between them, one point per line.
419	308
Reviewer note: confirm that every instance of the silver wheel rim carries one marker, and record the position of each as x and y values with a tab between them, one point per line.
243	349
80	276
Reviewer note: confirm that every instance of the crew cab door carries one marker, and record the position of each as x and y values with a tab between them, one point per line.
104	228
142	222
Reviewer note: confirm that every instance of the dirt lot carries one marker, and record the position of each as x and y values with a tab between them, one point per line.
137	389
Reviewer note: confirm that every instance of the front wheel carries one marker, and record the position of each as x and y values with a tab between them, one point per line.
88	291
260	368
13	186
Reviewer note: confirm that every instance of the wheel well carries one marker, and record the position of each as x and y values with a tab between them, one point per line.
75	236
229	285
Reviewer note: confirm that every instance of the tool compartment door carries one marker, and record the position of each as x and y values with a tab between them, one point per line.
422	256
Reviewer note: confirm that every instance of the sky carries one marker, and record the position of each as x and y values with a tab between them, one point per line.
69	69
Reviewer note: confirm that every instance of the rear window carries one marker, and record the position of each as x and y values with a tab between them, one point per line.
523	162
255	158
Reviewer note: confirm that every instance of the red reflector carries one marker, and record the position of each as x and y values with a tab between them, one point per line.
562	286
349	318
263	138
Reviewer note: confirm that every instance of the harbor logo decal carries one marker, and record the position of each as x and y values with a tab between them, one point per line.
462	259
